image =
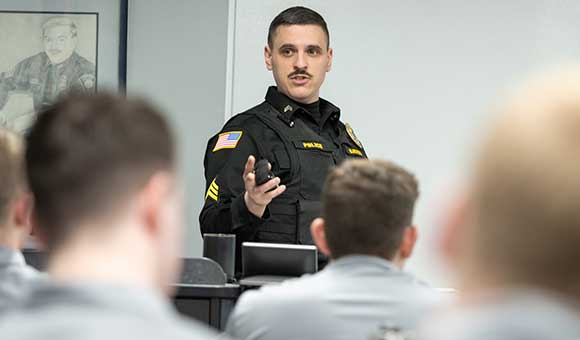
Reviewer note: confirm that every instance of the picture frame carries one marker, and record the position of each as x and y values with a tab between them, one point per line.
54	47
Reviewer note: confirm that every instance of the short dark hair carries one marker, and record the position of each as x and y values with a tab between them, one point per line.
367	204
86	154
297	16
60	21
12	169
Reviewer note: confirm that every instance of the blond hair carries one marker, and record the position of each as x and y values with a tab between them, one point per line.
527	186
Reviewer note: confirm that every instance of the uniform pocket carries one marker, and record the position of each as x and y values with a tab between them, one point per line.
282	220
281	165
309	210
315	162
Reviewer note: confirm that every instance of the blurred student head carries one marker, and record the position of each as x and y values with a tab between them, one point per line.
519	222
103	171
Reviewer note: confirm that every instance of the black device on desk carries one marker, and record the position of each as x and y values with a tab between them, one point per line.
222	249
264	263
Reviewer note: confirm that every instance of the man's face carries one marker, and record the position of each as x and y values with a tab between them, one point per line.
59	43
299	60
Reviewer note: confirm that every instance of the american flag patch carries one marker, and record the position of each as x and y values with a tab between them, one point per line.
227	140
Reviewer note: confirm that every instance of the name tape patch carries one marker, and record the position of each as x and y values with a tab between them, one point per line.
357	152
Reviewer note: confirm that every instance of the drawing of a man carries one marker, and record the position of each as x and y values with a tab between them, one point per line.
45	76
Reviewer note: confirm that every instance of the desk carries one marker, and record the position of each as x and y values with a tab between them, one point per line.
210	304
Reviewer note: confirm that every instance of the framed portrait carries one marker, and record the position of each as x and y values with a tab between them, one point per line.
50	48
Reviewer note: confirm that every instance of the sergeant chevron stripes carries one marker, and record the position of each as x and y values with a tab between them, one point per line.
213	191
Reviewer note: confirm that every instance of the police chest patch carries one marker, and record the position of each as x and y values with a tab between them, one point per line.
313	145
352	136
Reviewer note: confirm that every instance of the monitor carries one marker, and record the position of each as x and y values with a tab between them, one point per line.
287	260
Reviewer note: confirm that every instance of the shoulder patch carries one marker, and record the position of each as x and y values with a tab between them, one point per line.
352	136
88	81
213	191
227	140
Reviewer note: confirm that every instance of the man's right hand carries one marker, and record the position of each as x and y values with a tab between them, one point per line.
256	197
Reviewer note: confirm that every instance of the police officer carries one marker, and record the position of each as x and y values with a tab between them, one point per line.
299	133
48	74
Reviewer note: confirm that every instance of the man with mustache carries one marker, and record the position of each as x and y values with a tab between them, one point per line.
50	73
297	132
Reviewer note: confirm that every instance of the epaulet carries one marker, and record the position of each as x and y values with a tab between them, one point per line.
245	116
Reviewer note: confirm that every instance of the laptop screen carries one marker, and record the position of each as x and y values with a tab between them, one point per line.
278	259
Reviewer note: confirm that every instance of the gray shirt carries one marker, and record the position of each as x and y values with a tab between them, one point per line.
15	277
97	312
350	299
516	315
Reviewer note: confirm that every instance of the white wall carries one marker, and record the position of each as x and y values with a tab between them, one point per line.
177	57
416	79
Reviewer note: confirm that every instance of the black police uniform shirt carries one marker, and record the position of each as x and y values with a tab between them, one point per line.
302	146
46	81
